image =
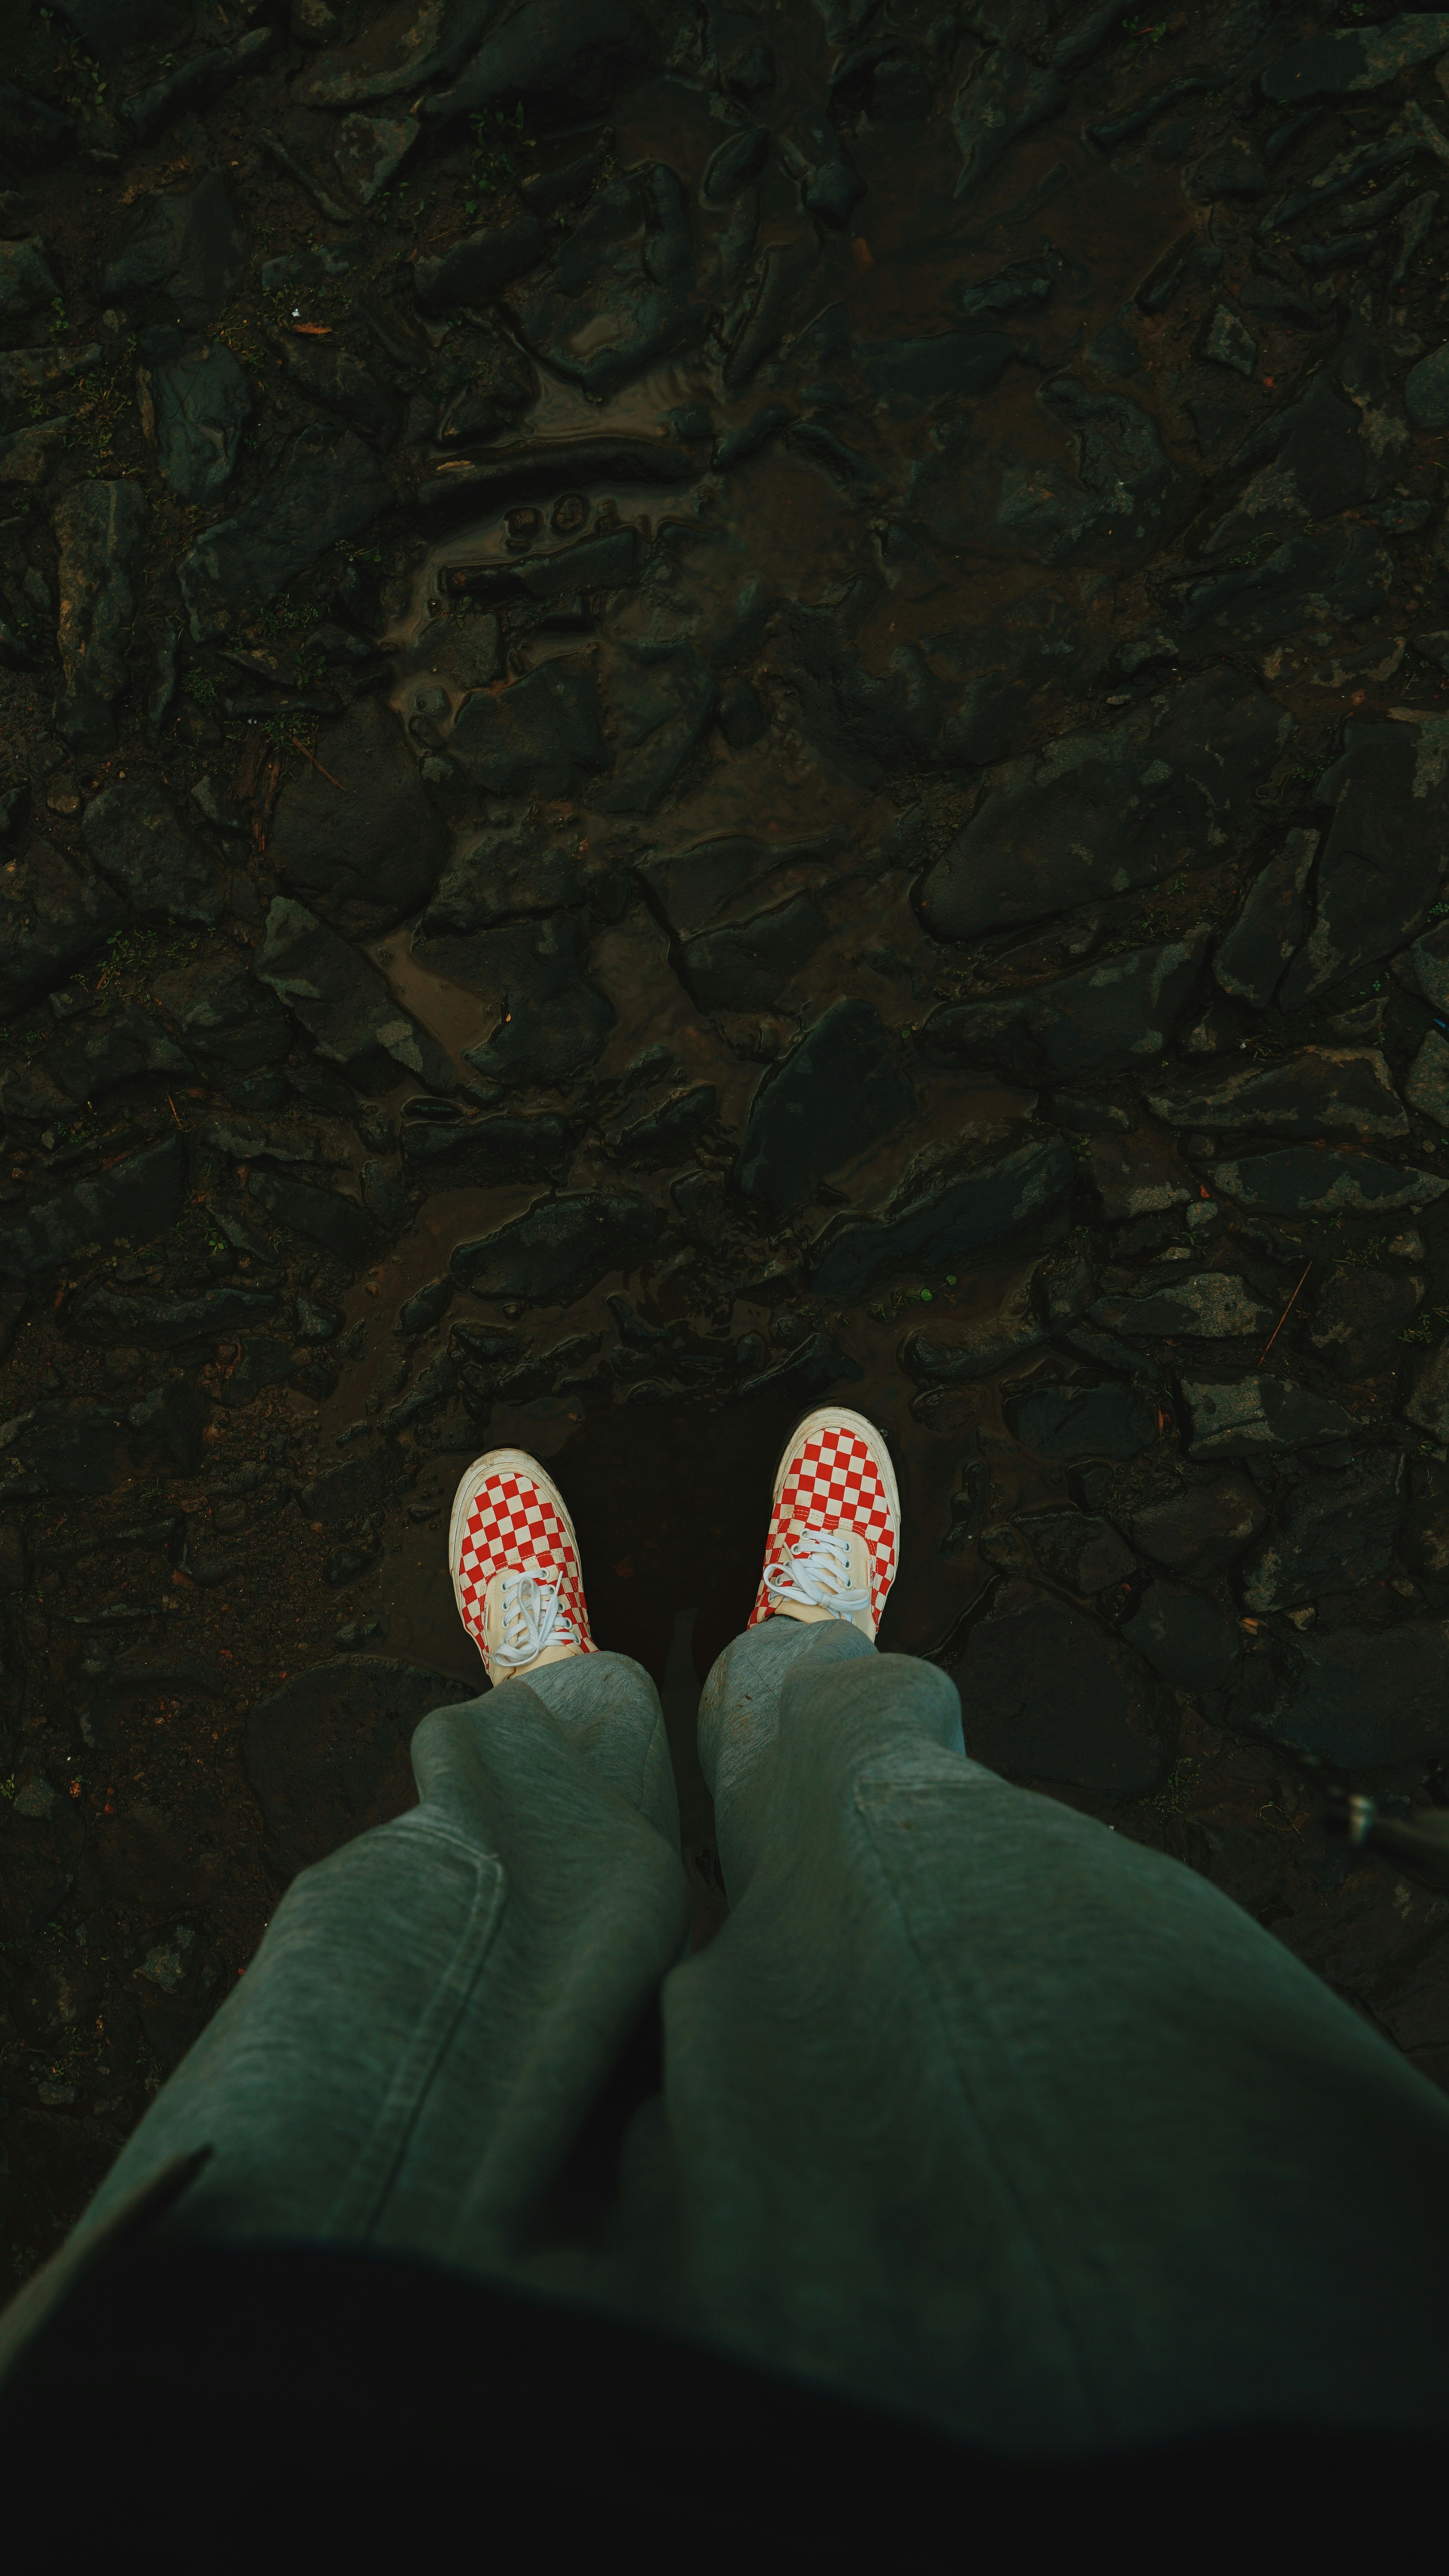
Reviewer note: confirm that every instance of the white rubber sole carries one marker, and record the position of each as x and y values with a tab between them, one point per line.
821	1420
497	1462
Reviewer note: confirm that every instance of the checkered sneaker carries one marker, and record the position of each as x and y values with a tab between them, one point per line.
510	1518
836	1476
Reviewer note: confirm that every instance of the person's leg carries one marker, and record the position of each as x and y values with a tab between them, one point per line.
985	2112
435	2006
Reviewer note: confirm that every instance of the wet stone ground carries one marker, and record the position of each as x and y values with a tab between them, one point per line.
702	707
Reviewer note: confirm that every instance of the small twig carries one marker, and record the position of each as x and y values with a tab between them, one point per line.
1282	1320
317	765
175	1112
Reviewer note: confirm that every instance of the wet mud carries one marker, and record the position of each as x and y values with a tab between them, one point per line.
753	710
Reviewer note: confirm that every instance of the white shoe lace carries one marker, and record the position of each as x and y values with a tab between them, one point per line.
529	1621
816	1572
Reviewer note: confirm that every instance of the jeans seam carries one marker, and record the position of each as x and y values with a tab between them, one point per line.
357	2206
1088	2396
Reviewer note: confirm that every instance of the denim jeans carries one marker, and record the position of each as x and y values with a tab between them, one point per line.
973	2109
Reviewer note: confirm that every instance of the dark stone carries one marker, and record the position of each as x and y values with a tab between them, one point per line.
339	1224
26	374
1190	1641
330	487
33	134
478	267
454	1152
1424	969
663	698
559	1249
1357	1316
701	885
344	1004
335	376
1271	927
1129	1005
327	1756
750	435
185	255
136	839
548	1022
315	266
628	267
200	404
133	1202
1003	96
62	1446
1426	391
1203	1529
1357	58
745	965
52	918
346	1563
426	1306
1243	1417
92	1061
1137	1174
1381	868
365	853
1305	1180
1098	813
37	1866
68	1446
1084	1555
1050	1698
833	193
739	159
1360	1699
742	719
1026	283
1329	578
28	284
538	739
850	471
1426	1085
939	1213
1337	1534
356	1487
805	1374
249	1140
1322	1091
1209	1305
427	1397
192	86
230	1023
260	1362
317	1323
831	1098
513	875
1124	498
116	1315
949	362
1338	447
1234	171
100	528
1116	351
540	468
1071	1423
670	1133
1006	1312
569	53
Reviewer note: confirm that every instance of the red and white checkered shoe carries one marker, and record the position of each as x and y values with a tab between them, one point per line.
835	1531
514	1559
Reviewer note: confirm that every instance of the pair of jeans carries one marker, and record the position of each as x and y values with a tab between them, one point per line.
973	2109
